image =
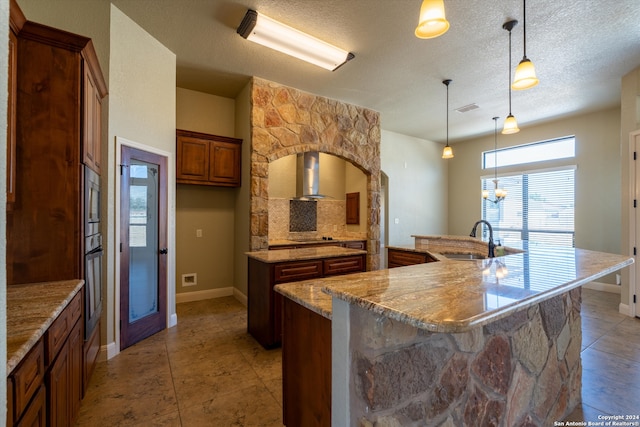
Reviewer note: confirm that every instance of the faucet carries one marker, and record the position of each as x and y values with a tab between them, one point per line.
491	244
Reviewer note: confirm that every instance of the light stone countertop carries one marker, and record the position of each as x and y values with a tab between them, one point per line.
283	255
31	309
455	296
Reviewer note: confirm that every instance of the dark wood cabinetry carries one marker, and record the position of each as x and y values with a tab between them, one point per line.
400	258
306	367
265	305
46	387
205	159
353	208
57	119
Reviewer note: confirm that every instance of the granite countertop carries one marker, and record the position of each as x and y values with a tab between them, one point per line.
456	296
282	255
31	309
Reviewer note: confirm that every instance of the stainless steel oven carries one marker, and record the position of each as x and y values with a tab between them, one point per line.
93	253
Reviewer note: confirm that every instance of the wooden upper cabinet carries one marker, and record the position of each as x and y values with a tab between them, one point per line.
92	129
353	208
204	159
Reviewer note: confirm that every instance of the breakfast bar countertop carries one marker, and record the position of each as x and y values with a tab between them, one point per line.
457	296
31	309
283	255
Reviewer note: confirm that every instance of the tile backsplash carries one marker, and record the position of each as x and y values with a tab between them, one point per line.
285	220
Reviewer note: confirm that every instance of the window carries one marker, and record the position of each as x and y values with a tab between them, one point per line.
539	206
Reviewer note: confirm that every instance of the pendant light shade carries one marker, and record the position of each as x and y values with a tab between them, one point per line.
432	22
510	123
525	76
447	152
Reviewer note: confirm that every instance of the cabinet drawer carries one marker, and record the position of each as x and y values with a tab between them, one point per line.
359	244
61	327
400	258
28	377
294	271
344	265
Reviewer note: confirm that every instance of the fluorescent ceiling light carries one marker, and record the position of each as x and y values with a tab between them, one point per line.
275	35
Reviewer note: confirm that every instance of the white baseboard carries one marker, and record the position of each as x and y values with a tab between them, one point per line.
202	295
108	351
173	320
624	309
605	287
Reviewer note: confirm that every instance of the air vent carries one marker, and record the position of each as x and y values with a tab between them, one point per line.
466	108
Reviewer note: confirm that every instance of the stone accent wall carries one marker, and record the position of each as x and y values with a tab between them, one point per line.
523	370
287	121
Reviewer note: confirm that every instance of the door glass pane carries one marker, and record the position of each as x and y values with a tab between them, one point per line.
143	240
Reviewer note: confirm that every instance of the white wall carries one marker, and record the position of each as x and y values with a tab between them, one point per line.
417	186
598	194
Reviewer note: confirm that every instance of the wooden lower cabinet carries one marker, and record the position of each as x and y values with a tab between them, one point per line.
64	381
45	389
36	413
306	367
400	258
265	305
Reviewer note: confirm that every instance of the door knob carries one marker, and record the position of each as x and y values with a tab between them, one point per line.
163	251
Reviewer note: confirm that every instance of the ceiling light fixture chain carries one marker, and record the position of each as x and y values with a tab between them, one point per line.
499	193
510	123
447	152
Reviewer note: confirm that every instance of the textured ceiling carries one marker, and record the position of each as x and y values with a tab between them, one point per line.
581	49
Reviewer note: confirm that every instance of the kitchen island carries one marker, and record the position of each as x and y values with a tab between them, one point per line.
475	342
269	268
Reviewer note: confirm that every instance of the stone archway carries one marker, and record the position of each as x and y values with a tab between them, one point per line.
288	121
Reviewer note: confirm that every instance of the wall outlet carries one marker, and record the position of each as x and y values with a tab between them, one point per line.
190	279
335	228
199	232
397	221
618	279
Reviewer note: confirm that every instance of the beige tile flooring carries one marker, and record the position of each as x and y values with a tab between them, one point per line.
207	371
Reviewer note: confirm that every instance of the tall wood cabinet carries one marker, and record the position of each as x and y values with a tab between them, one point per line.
59	92
56	89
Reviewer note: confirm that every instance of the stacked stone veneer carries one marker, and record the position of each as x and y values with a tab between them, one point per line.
287	121
522	370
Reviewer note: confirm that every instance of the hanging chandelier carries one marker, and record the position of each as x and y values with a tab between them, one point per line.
510	123
499	193
447	152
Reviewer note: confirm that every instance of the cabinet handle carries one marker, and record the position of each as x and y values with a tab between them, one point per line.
163	251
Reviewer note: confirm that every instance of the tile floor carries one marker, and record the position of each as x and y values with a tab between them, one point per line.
207	371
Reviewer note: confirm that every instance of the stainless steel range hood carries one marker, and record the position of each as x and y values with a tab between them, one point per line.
308	176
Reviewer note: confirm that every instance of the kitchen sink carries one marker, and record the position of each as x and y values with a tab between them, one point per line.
464	257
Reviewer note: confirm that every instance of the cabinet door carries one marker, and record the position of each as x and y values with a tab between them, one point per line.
192	160
343	265
36	413
224	163
57	388
91	132
75	371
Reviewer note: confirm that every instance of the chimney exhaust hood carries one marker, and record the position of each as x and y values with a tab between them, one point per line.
308	176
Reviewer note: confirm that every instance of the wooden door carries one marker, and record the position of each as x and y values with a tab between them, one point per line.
143	240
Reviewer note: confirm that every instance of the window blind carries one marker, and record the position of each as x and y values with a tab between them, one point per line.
539	207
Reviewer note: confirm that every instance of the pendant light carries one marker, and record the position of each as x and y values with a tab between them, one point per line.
432	22
525	76
510	123
499	193
447	153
